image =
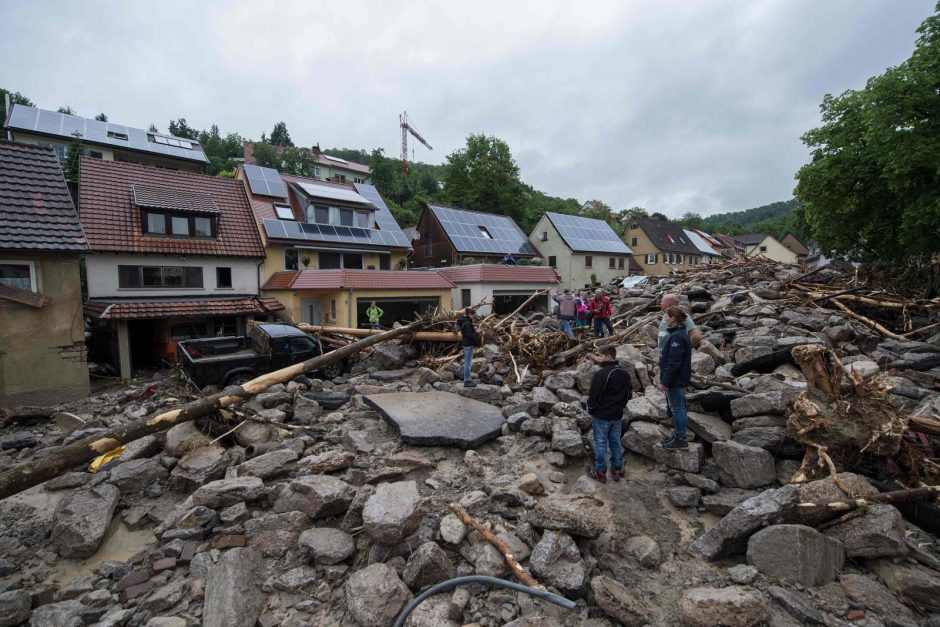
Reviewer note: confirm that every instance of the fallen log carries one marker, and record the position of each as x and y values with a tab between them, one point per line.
63	459
520	308
764	363
618	338
420	336
500	546
886	498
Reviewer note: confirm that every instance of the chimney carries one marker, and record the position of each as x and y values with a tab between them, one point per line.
316	151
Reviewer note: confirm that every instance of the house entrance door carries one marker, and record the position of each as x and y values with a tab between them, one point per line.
312	310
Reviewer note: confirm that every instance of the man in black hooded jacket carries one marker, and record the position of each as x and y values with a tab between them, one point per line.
610	391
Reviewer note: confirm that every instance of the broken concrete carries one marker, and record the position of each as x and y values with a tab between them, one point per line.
438	418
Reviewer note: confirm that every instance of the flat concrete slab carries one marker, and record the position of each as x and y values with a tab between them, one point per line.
438	418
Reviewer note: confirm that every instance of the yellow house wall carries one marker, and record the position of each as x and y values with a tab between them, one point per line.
42	351
644	246
345	310
775	250
274	258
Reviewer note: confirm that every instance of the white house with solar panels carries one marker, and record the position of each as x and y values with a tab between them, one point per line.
583	251
450	236
103	140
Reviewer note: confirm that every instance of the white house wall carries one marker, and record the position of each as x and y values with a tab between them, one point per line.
775	251
102	273
570	265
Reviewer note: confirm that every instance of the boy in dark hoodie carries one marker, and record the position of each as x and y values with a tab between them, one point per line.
469	339
675	371
610	391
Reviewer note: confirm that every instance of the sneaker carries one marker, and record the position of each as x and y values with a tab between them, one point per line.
669	438
676	444
469	384
597	475
617	474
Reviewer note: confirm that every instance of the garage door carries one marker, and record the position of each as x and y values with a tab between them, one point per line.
506	302
396	310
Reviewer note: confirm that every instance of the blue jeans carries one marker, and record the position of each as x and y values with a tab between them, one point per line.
374	325
566	328
607	435
676	399
600	324
467	359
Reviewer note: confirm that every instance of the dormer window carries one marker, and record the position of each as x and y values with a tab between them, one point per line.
284	212
484	232
116	135
167	224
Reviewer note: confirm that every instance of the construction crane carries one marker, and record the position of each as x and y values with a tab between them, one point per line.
406	128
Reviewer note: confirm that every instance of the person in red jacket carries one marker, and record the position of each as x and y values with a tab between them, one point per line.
600	307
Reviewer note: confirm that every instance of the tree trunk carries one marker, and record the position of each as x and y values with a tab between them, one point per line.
65	458
421	336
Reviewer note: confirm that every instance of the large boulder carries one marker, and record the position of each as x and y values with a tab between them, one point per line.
393	512
392	355
62	614
618	602
545	399
759	403
578	517
641	437
317	496
917	586
274	534
775	439
556	561
225	492
741	466
730	535
427	566
734	606
198	467
375	595
81	520
268	465
137	475
796	553
233	596
708	427
689	459
327	545
14	607
183	438
873	595
879	532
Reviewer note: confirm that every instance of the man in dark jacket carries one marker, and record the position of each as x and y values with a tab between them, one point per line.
610	391
469	340
675	371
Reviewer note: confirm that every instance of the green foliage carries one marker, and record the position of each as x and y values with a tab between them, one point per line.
15	98
777	218
280	136
221	151
75	151
101	117
66	110
483	176
405	195
872	188
179	128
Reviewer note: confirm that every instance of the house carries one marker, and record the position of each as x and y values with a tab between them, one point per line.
104	140
332	248
324	167
795	245
42	347
703	243
661	246
583	251
729	247
174	255
714	244
503	288
765	245
449	236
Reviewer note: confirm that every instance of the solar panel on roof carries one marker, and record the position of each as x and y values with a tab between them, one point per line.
334	193
588	234
265	181
463	229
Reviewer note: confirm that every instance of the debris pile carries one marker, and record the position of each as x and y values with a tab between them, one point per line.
339	501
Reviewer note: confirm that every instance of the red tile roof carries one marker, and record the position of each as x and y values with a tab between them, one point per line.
112	221
36	210
356	279
24	297
486	273
182	308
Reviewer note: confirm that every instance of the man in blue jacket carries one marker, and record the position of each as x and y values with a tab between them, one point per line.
610	391
675	371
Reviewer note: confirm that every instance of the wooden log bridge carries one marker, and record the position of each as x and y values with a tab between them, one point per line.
65	458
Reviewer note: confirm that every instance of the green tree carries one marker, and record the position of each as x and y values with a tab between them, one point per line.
66	110
15	98
280	136
692	220
101	117
179	128
872	188
659	216
73	154
483	176
266	156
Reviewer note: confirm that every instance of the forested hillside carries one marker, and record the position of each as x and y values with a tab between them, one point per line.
778	218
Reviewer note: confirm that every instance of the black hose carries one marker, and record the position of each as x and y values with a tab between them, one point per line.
493	581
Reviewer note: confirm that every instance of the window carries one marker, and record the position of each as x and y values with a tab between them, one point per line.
363	219
202	227
553	261
612	263
316	172
94	154
283	212
385	262
651	260
321	214
116	135
180	225
159	276
763	249
620	263
291	259
346	217
156	223
352	261
301	345
634	226
21	274
633	241
223	277
484	232
465	298
330	261
176	225
679	259
588	261
333	310
360	180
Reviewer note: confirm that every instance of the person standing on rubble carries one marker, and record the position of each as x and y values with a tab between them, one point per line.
581	309
610	391
600	307
374	313
567	311
675	372
469	339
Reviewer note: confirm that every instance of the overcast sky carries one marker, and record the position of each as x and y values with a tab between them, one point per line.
673	106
